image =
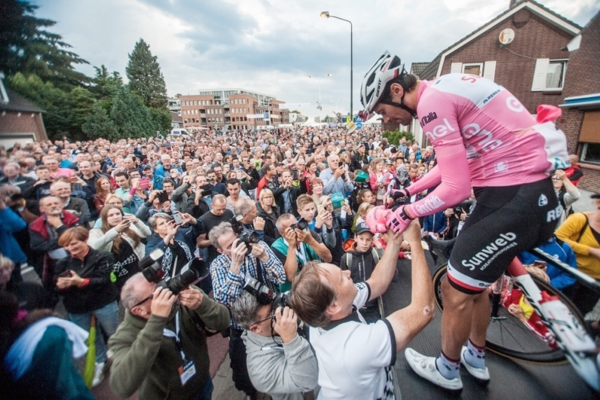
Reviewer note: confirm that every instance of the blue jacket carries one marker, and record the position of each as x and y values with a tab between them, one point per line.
10	222
564	253
435	223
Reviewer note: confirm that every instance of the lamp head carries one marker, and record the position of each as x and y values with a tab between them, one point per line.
325	14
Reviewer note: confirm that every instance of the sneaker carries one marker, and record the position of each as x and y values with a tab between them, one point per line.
425	368
479	373
98	374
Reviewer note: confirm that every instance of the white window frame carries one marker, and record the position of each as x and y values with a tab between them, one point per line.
466	65
540	74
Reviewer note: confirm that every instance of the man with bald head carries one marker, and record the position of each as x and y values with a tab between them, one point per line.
74	205
44	233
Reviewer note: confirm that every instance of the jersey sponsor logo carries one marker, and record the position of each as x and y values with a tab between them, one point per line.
543	200
513	104
429	205
501	166
489	253
490	97
428	118
487	144
440	130
554	214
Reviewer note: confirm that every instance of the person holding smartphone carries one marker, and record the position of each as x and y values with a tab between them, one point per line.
121	235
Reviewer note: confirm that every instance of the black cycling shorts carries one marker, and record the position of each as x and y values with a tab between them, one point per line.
506	221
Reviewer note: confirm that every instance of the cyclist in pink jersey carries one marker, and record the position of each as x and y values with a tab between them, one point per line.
485	138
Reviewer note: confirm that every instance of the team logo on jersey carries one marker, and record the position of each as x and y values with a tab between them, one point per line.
543	200
428	118
489	253
502	166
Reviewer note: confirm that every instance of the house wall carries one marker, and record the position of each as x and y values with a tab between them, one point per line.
515	63
583	77
21	124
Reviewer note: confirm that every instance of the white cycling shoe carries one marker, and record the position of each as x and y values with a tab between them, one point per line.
425	367
479	373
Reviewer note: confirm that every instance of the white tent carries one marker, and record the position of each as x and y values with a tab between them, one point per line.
374	120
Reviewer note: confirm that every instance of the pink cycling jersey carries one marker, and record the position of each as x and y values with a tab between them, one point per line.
482	136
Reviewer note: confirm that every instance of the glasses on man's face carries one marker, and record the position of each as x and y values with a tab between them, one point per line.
271	316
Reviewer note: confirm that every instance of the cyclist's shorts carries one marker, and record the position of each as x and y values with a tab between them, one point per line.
506	221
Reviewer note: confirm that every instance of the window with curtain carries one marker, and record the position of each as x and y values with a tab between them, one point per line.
555	74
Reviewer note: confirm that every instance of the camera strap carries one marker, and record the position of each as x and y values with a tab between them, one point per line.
175	336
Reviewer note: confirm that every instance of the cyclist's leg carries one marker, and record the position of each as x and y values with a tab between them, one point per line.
505	222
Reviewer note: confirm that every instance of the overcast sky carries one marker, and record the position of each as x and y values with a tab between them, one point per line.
270	46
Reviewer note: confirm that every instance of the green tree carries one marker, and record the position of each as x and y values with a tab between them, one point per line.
162	118
99	125
131	117
105	86
27	47
81	106
145	78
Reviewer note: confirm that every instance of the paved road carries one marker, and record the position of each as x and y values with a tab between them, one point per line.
510	380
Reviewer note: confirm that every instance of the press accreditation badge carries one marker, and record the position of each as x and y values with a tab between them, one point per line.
186	372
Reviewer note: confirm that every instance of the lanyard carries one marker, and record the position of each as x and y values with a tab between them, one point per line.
175	336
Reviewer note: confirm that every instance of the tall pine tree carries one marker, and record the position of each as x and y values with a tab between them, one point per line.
145	78
27	47
131	117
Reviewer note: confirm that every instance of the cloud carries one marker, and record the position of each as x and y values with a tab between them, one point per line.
270	46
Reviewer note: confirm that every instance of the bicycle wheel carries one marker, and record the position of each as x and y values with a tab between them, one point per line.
508	337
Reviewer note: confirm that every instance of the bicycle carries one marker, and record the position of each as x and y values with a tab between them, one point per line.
566	338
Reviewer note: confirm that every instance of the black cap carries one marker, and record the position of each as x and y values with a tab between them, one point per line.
147	166
362	227
595	196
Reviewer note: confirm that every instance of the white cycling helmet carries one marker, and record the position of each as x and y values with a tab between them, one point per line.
386	68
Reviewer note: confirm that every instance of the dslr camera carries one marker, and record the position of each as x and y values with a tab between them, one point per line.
191	273
244	235
266	296
302	225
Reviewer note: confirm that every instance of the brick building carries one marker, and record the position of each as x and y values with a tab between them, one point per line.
20	119
531	66
581	106
232	108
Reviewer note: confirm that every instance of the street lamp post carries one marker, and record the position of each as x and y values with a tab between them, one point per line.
325	14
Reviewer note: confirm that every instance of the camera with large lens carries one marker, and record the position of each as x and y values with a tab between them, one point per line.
302	225
244	235
191	273
266	296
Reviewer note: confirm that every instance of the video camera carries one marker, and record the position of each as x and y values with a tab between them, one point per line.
191	273
244	235
266	296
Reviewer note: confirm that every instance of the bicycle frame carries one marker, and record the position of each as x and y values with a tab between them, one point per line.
579	348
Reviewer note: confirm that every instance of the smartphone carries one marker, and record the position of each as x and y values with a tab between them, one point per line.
144	183
177	218
66	274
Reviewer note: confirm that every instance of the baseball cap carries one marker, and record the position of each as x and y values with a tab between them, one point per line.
147	166
362	227
595	196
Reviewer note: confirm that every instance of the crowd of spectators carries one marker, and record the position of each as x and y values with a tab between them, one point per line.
84	214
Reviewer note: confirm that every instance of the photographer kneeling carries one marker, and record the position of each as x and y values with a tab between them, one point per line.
280	362
158	349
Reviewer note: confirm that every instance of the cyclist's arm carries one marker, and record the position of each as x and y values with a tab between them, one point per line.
453	167
431	179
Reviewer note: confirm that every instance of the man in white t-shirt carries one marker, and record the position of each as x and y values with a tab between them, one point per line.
355	358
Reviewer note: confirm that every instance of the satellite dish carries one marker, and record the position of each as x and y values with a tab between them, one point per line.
506	36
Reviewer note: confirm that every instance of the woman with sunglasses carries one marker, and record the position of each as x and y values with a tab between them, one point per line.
566	192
